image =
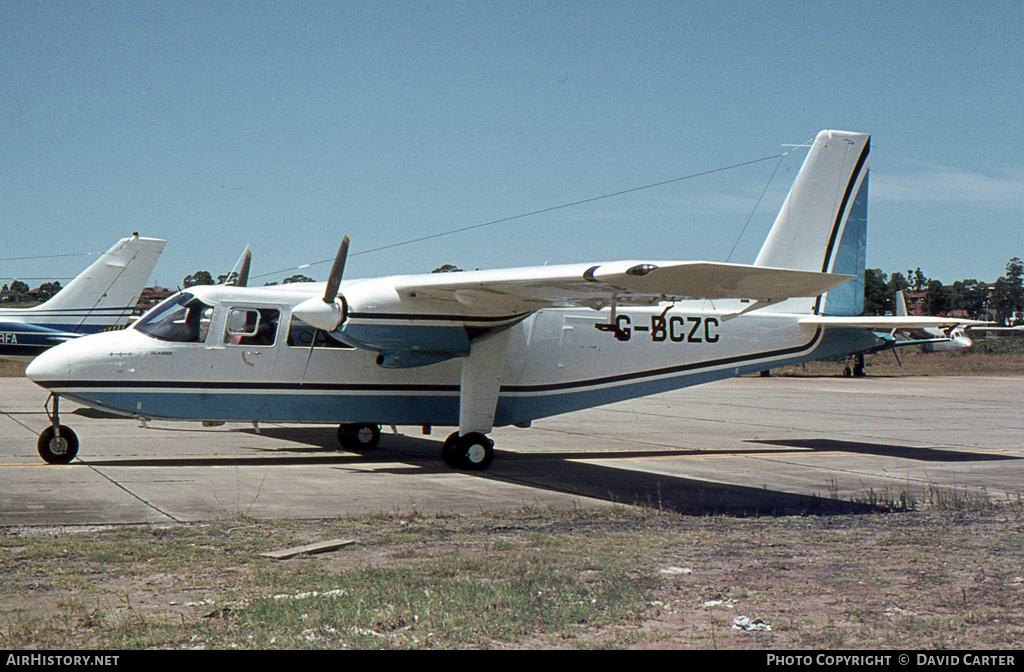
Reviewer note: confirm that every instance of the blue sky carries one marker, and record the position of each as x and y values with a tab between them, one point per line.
284	125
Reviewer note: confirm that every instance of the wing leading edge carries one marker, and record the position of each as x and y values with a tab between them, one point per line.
595	285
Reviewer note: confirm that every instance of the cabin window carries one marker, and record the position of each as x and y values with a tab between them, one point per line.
251	326
301	335
181	318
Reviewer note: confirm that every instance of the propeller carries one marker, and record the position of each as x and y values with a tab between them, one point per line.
329	312
337	270
242	279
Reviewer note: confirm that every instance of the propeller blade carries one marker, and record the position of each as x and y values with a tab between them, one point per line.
327	313
897	356
337	270
243	275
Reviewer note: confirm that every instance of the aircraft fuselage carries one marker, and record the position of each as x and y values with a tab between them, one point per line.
557	360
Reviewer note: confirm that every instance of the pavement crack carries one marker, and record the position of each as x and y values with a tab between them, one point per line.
132	494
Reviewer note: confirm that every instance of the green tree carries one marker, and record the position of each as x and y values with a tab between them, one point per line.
297	278
1008	291
198	278
938	300
48	289
877	297
969	296
897	283
918	282
447	268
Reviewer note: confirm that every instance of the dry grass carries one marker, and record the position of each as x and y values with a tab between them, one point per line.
1006	361
12	369
532	578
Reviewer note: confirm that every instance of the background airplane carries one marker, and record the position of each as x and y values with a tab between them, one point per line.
484	348
952	338
933	340
102	297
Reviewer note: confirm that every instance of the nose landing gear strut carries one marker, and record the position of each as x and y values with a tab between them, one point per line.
57	444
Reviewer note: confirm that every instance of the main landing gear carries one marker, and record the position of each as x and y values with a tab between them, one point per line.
57	444
857	364
472	451
358	437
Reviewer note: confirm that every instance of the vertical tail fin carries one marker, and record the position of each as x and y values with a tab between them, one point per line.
822	226
104	295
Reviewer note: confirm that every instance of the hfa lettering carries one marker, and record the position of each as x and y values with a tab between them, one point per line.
676	329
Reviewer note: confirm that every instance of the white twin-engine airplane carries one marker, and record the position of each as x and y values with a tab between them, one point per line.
102	297
934	340
490	348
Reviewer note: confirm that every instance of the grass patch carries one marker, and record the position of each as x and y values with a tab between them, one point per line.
947	574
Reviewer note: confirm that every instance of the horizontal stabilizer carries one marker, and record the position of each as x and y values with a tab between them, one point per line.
888	323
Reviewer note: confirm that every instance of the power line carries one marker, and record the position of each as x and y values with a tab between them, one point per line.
52	256
528	214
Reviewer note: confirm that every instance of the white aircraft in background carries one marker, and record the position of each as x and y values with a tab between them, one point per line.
490	348
931	339
102	297
953	338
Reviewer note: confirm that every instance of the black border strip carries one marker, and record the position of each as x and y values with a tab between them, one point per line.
840	215
842	207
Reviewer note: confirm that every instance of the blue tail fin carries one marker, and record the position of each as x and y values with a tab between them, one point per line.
822	226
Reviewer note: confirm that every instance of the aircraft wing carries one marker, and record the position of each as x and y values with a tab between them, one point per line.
629	282
1017	328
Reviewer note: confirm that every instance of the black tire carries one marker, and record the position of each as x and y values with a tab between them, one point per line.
358	437
475	451
56	450
450	451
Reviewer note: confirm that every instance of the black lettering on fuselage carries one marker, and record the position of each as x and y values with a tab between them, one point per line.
674	322
690	338
658	331
708	336
672	328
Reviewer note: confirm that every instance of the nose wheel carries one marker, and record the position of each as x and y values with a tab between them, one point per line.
57	444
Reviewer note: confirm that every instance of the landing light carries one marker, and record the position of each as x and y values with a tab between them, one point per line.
641	269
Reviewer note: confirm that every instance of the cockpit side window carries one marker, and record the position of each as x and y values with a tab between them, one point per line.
251	326
179	319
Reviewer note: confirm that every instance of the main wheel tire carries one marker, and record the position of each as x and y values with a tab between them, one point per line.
475	451
358	437
449	451
57	449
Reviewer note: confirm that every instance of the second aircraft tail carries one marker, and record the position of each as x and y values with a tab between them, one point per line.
104	295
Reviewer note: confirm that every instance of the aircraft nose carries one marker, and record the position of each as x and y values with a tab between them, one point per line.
51	365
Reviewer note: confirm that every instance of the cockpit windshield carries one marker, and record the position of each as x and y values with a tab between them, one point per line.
181	318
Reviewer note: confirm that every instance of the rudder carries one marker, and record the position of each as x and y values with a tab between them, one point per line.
822	225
